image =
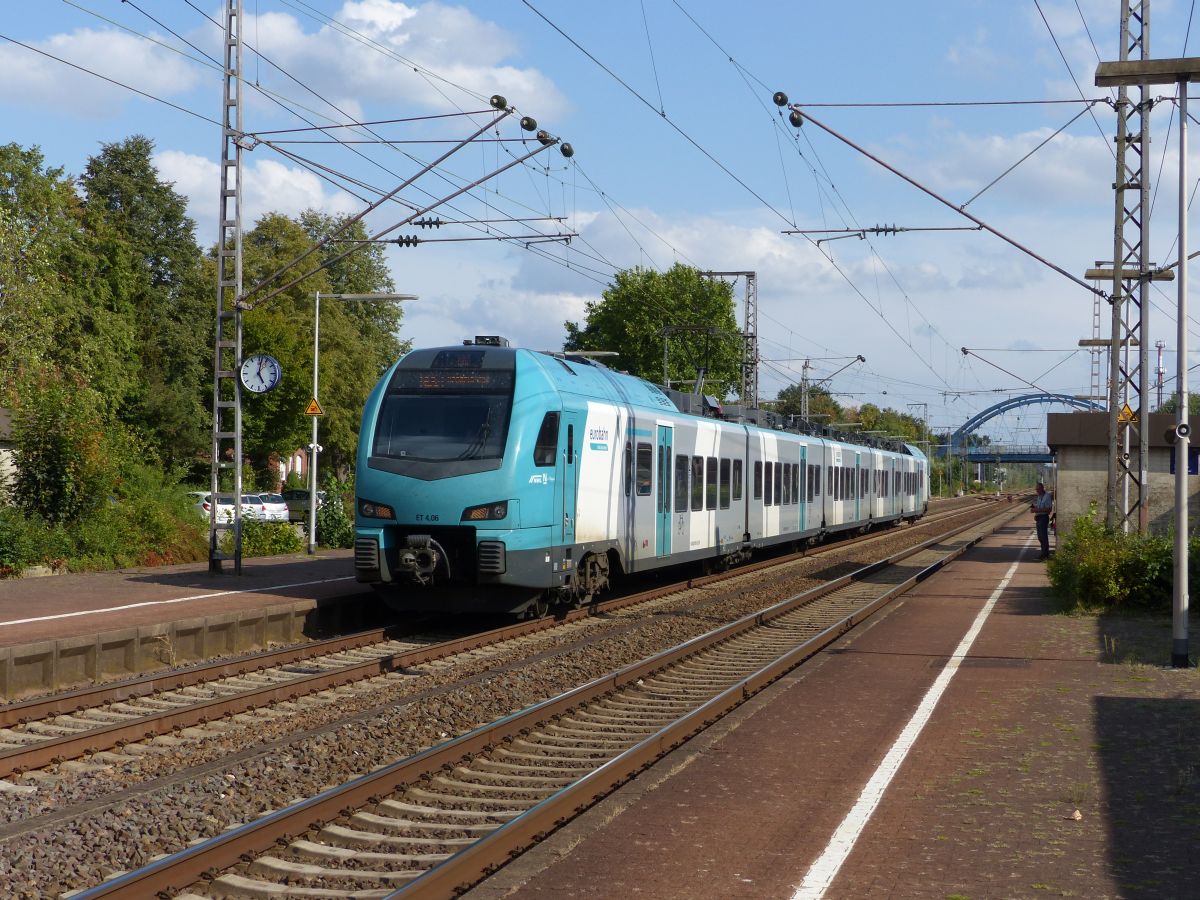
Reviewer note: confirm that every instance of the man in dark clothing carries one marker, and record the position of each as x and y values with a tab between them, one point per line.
1042	507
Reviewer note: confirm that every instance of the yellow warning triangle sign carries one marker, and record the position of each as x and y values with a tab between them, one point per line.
314	408
1126	414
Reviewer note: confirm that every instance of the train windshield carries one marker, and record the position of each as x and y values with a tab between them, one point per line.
446	415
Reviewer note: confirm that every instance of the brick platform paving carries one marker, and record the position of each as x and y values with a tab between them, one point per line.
1048	715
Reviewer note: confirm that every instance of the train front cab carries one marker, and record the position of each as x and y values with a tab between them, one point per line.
466	481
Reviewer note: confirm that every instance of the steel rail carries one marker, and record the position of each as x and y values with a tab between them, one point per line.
481	858
175	871
106	737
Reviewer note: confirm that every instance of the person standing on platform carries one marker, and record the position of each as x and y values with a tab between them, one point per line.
1042	507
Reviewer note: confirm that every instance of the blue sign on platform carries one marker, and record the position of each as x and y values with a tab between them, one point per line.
1193	460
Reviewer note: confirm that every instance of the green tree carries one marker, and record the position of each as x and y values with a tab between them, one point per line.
26	326
1172	403
822	408
359	339
169	288
275	422
640	303
81	270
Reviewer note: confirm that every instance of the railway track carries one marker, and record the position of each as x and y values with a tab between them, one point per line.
58	728
437	822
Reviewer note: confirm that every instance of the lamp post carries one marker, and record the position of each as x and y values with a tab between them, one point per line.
314	448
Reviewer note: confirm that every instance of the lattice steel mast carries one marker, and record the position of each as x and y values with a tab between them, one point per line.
227	346
749	334
1128	384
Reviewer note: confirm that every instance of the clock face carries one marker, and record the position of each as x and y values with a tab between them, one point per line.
260	373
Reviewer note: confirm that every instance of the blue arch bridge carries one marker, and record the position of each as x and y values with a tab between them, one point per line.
960	446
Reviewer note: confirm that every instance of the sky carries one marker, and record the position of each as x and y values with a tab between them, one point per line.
680	155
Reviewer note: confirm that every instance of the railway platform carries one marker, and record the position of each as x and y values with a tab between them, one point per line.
966	743
62	630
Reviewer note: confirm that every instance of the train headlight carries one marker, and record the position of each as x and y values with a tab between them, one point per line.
373	510
486	512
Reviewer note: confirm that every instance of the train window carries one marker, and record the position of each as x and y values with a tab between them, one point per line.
768	485
664	480
545	450
787	484
816	481
442	427
832	482
628	468
710	492
798	483
812	484
724	495
681	483
778	482
864	482
757	480
645	469
697	483
737	480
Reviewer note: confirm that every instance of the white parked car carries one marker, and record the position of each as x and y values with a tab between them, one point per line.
276	507
202	503
253	507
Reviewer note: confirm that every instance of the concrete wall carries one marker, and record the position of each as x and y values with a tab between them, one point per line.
1080	444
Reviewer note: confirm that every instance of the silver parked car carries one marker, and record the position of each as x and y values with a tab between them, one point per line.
297	503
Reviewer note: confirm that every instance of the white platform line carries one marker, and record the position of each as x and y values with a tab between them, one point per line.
96	612
822	872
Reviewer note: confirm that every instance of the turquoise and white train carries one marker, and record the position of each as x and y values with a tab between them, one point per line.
502	478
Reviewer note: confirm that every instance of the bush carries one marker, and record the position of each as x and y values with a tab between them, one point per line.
28	541
64	461
1095	568
269	538
335	527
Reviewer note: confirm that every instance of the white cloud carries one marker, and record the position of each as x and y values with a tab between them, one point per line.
31	79
1064	171
268	186
368	59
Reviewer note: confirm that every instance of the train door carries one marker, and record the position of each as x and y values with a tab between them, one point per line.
892	485
662	507
858	486
801	496
571	435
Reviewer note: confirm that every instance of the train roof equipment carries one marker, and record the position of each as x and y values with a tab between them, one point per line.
635	389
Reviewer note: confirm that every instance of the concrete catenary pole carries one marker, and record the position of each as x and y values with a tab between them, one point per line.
1179	598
